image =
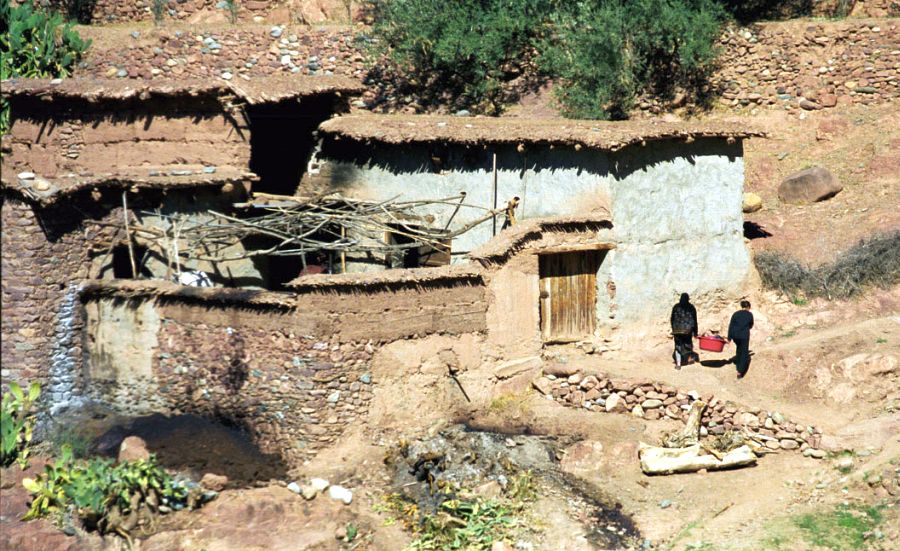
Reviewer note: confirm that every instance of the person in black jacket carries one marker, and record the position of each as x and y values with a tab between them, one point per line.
684	329
739	332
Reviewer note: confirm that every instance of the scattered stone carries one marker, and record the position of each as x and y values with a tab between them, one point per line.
294	487
512	368
309	492
614	403
340	493
490	489
751	203
543	385
637	411
844	463
320	484
214	482
651	404
814	453
276	32
809	186
25	175
133	448
665	504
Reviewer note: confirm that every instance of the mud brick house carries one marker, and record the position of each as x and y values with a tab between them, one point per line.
78	150
674	192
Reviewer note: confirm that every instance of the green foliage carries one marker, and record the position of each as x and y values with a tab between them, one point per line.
842	528
35	44
17	423
471	523
871	263
103	494
608	52
461	51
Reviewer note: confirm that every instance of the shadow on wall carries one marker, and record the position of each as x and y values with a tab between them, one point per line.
420	158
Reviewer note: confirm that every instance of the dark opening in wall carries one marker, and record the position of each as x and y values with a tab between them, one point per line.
282	139
121	261
282	270
416	257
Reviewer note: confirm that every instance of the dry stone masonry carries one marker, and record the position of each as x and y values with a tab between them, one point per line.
653	401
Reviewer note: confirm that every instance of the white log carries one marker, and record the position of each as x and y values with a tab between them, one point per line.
656	460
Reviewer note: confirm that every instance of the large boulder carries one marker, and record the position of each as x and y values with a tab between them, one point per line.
133	448
808	186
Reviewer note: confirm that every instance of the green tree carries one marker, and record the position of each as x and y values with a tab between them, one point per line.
606	53
461	51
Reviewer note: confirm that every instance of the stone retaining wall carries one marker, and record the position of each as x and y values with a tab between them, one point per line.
653	400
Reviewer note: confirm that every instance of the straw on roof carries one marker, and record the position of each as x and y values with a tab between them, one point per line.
513	239
46	191
608	136
132	289
254	91
388	278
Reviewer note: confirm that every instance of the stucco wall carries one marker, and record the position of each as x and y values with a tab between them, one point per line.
676	207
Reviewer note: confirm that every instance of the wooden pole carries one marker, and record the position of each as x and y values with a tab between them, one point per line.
494	217
134	272
343	253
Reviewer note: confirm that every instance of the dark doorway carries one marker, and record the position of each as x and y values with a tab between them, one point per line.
282	138
121	261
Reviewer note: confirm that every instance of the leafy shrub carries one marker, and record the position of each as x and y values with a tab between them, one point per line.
603	52
106	496
873	262
460	51
35	44
17	422
608	52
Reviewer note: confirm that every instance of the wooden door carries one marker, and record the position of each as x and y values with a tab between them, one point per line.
569	295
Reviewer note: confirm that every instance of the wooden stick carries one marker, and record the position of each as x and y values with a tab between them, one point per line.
343	253
134	272
494	208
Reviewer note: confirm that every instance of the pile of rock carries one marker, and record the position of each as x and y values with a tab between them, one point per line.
653	400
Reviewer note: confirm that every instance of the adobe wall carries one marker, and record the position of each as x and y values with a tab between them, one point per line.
47	252
55	138
676	207
296	372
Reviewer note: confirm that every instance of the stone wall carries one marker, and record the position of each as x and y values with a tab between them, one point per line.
653	400
100	138
45	251
48	251
757	62
294	371
676	207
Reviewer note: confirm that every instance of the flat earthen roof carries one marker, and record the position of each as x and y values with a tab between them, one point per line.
608	136
46	191
410	276
254	91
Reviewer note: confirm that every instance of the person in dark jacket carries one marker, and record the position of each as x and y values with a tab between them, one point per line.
739	332
684	329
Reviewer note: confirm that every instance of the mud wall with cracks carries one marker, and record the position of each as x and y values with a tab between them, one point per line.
676	206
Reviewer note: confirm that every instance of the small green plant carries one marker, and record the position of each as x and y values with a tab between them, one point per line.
881	340
232	7
471	523
17	423
351	532
35	44
158	7
106	496
799	301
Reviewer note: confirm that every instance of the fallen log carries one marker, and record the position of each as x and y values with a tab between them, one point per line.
657	460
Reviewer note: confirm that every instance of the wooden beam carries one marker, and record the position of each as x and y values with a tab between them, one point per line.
575	248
